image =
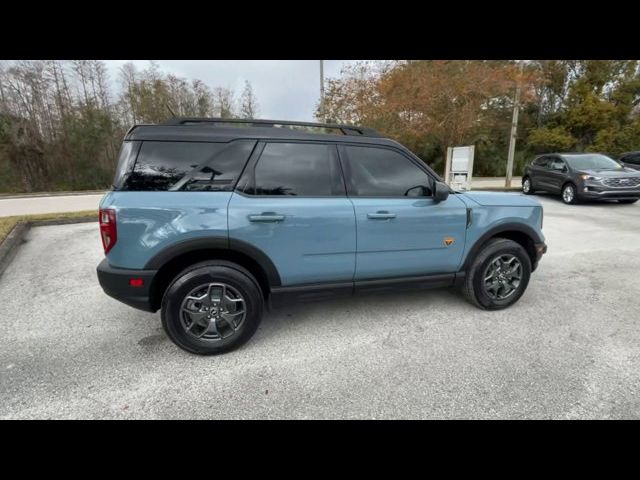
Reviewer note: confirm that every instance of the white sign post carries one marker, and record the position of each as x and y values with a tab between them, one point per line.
459	167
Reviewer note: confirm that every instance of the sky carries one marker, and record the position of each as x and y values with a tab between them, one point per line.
285	89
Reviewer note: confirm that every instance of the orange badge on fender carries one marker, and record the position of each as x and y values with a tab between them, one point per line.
448	241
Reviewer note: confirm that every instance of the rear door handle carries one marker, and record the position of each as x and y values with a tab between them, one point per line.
380	215
266	217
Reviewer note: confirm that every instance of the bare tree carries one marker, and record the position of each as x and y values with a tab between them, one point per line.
248	102
61	127
204	99
128	80
224	102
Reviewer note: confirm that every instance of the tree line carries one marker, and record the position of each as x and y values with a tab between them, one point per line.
61	125
566	105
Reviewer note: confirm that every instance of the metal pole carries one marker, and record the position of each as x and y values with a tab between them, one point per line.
514	131
472	154
322	115
447	166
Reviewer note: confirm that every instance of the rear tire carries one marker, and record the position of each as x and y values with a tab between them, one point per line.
212	307
629	201
495	293
527	186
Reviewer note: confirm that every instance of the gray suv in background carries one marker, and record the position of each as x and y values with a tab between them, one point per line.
582	176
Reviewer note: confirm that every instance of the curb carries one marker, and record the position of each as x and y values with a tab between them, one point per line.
9	196
15	238
8	247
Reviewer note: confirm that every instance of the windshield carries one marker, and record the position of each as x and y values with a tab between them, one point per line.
592	162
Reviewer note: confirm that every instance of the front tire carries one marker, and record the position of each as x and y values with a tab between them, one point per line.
212	307
498	276
527	186
569	194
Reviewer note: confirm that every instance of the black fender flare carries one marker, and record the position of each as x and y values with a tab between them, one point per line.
496	231
223	243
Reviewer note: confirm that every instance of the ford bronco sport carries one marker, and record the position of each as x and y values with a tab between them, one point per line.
211	220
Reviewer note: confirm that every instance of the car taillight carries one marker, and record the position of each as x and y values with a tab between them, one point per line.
108	228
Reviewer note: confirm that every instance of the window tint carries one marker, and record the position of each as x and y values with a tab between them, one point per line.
301	169
189	166
633	158
126	158
556	164
379	172
541	162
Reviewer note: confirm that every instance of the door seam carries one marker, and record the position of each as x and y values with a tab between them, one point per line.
355	254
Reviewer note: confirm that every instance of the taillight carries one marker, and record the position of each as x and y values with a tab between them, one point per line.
108	228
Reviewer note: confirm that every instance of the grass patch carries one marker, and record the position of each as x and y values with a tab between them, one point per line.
7	223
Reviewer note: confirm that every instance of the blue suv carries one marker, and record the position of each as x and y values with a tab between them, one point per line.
212	220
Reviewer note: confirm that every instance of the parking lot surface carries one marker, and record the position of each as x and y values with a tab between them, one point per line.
570	348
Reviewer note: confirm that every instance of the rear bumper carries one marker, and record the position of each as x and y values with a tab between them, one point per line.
115	283
541	249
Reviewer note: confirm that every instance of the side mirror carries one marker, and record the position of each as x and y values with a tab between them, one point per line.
441	192
418	191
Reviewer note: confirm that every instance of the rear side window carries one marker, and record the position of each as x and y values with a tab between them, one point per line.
380	172
188	166
297	169
127	157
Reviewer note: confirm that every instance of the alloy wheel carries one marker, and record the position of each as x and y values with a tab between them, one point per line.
502	277
568	194
213	312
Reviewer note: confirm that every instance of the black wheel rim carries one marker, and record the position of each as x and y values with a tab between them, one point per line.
502	277
213	312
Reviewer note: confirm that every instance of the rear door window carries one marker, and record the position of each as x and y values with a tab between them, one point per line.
541	162
188	166
556	164
297	169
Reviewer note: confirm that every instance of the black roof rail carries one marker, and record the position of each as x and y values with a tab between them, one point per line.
133	127
345	129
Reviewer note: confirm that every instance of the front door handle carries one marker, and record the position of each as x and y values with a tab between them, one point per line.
266	217
380	215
